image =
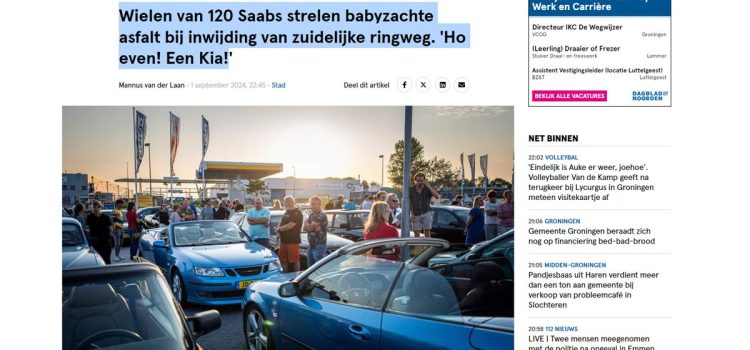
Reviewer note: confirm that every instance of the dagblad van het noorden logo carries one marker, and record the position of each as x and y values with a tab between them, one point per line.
649	95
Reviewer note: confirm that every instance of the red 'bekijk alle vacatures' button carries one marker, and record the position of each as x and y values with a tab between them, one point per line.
569	96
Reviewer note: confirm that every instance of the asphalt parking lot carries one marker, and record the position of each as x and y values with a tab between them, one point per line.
229	336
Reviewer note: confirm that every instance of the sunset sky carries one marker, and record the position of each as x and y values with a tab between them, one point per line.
318	141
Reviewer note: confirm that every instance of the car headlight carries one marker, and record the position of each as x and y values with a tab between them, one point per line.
208	271
274	265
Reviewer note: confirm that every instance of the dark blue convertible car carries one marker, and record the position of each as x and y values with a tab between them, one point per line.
381	294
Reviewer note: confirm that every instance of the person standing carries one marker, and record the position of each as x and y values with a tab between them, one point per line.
117	225
367	203
134	226
330	205
207	213
395	216
276	205
175	217
420	196
238	206
348	205
230	208
505	212
186	212
259	219
490	215
380	196
100	227
317	232
377	227
458	200
222	213
79	213
163	216
193	209
475	222
289	234
339	202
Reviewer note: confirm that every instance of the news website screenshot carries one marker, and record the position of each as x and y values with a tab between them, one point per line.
344	175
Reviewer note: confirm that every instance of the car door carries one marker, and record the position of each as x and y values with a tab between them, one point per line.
448	226
161	255
331	311
423	312
147	244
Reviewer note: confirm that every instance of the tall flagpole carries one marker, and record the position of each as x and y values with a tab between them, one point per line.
203	156
135	159
171	171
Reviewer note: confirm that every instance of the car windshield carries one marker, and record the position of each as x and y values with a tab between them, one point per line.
358	220
116	312
462	213
72	235
207	233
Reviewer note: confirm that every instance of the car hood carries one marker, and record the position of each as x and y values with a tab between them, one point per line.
80	256
227	255
282	277
332	241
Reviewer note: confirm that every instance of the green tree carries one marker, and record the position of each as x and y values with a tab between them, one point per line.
365	185
496	182
396	162
349	178
439	171
256	187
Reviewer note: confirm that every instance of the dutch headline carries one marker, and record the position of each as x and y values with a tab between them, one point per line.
202	35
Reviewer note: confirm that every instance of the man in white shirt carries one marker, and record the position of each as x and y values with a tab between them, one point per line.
490	215
367	203
395	217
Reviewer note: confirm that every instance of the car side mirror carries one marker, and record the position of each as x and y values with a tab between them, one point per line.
161	244
204	322
288	289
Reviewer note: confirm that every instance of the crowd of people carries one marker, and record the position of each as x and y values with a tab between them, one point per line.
489	217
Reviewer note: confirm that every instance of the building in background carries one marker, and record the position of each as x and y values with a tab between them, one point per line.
302	189
75	187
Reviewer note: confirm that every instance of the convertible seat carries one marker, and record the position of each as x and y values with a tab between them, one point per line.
93	308
426	292
492	293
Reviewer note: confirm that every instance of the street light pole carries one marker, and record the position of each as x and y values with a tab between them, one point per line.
382	172
294	183
150	183
127	181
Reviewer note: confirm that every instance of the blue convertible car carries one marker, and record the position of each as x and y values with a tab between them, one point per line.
381	294
208	262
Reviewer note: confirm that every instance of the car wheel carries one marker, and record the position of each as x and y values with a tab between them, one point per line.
178	287
257	333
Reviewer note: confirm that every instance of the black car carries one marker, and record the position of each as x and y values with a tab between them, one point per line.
333	242
449	223
127	306
146	216
349	224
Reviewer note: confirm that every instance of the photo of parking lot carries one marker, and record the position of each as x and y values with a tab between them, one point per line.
273	227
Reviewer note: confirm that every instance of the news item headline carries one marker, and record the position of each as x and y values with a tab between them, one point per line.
201	35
